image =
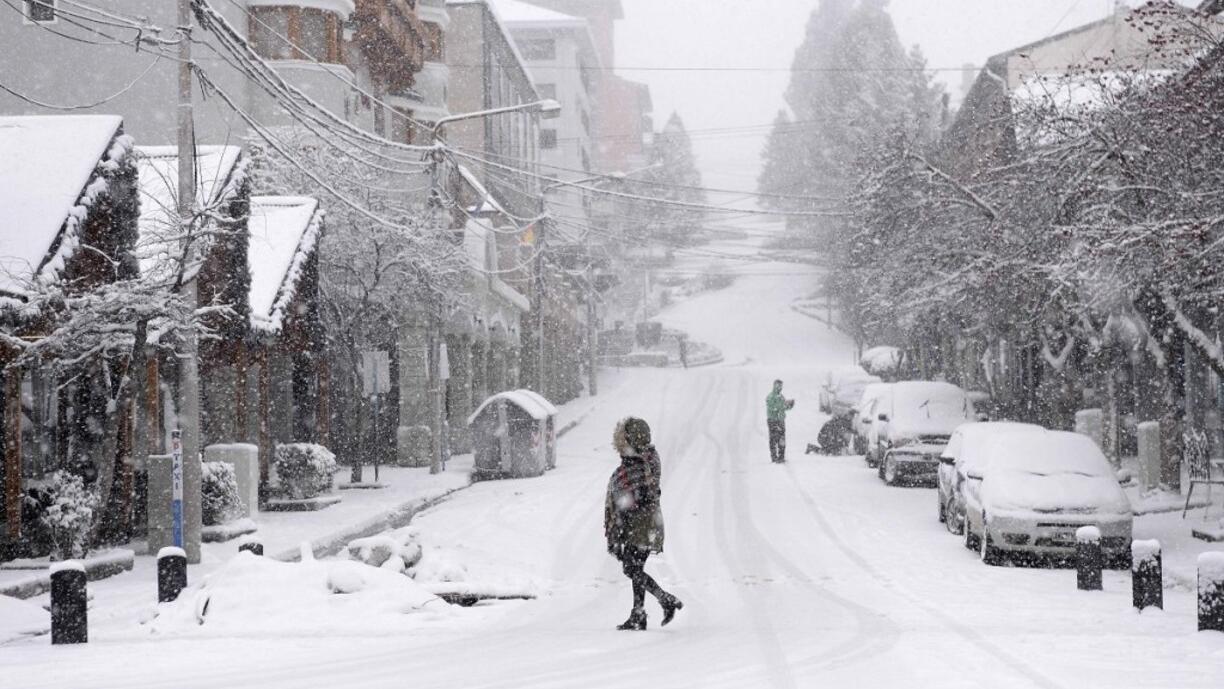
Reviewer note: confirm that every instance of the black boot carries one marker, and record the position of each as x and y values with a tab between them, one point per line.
636	621
670	605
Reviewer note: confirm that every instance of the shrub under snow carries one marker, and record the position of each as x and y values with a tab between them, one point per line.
306	470
219	486
70	515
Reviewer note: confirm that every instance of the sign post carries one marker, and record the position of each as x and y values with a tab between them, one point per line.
375	382
176	486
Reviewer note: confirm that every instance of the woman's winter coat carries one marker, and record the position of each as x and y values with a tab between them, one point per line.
632	513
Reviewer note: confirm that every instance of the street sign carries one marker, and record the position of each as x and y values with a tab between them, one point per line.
176	486
375	372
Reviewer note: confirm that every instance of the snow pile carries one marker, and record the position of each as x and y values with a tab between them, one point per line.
881	360
252	596
21	618
1088	534
1144	550
397	551
1211	566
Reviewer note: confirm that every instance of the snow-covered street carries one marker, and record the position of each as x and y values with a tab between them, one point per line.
807	574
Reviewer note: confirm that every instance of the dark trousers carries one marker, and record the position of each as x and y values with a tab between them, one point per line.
633	563
777	441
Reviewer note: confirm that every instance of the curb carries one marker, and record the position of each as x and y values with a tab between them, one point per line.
399	517
96	569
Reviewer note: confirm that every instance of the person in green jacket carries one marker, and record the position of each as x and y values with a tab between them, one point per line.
776	407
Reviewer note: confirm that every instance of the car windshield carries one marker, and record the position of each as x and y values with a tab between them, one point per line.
930	402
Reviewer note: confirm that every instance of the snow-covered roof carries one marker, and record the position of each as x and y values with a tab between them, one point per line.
518	12
341	7
531	402
219	173
46	162
487	204
284	232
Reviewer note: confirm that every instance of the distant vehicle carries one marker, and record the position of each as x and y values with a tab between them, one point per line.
860	421
1036	489
882	361
843	388
910	426
964	450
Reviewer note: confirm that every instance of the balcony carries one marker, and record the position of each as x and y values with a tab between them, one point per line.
392	37
431	85
434	12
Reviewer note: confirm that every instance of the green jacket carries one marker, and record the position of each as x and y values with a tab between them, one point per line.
776	407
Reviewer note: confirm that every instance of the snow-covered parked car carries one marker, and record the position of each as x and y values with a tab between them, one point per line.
1036	489
882	361
964	451
912	423
860	418
842	389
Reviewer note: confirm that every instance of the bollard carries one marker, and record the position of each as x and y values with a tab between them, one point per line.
1088	559
69	617
251	545
171	573
1147	579
1211	591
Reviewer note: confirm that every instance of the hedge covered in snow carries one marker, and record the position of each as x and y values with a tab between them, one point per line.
306	470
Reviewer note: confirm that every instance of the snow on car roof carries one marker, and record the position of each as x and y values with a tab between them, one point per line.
1049	453
45	163
971	437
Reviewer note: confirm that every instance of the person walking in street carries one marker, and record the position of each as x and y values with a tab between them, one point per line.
776	407
633	518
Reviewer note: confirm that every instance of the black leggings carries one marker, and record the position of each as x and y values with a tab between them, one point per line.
633	563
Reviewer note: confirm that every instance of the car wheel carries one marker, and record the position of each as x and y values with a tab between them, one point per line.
954	520
990	554
970	541
888	471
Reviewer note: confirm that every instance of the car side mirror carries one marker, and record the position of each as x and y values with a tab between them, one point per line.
884	418
973	476
950	461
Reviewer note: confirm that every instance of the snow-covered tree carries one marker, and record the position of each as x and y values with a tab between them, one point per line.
672	177
388	256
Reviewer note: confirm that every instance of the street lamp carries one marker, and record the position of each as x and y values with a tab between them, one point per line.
547	109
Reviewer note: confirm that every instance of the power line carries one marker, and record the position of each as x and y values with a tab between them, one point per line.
85	106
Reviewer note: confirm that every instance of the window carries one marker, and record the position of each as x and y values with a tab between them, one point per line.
295	33
548	138
547	91
539	49
435	43
42	11
315	36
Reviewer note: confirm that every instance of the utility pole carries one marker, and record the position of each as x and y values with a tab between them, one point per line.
188	358
541	239
592	333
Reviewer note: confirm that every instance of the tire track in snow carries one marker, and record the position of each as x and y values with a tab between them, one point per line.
875	633
961	629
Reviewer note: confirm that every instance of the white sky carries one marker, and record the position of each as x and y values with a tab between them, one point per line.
765	33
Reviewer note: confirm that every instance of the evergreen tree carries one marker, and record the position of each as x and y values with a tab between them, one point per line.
854	86
674	177
783	164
